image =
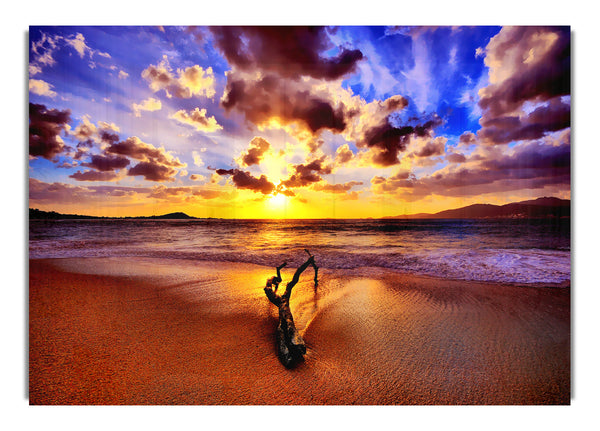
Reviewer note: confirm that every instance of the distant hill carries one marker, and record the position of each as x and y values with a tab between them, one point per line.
171	216
35	214
546	207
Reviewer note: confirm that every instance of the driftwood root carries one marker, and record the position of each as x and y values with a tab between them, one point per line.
290	345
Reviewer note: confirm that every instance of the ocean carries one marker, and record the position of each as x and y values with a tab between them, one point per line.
501	250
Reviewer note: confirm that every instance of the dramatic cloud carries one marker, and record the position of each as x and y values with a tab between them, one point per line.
245	180
277	97
388	140
290	52
316	108
531	165
192	81
404	113
153	171
197	119
527	65
306	174
257	148
133	147
156	164
41	88
270	98
45	127
150	104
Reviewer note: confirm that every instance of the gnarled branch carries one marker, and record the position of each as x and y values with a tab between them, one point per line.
291	347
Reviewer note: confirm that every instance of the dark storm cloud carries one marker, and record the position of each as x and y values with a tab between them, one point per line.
272	97
389	140
45	127
288	51
245	180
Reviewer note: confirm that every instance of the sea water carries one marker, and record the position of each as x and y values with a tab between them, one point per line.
514	251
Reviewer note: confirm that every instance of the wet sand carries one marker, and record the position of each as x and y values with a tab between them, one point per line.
146	331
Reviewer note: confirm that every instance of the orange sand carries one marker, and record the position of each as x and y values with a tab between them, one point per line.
141	331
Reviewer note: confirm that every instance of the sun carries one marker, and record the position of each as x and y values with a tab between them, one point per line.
277	200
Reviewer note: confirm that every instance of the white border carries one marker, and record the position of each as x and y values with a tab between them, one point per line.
579	14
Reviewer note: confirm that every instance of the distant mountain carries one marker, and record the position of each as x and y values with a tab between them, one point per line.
35	214
546	207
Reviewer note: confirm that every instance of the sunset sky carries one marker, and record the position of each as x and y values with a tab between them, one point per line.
295	122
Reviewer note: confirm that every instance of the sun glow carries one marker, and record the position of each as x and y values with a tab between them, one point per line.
277	201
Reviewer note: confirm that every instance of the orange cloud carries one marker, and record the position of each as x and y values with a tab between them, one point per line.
41	88
257	148
197	119
184	83
150	104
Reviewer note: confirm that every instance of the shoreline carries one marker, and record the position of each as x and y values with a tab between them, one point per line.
146	331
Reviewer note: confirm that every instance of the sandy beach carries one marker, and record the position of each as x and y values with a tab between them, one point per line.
149	331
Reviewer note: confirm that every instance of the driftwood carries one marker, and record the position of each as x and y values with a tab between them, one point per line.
290	345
